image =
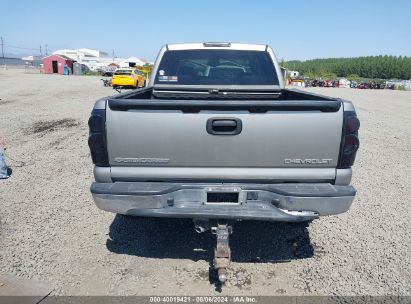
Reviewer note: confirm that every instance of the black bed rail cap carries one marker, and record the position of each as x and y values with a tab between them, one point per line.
225	105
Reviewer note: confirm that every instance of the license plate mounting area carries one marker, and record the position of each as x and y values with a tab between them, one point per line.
223	196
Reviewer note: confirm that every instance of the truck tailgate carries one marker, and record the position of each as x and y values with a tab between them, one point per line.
246	137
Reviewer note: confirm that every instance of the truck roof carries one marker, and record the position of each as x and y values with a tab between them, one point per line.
217	45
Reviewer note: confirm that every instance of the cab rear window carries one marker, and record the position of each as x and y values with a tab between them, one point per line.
216	67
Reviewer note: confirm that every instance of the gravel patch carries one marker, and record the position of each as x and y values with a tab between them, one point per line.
51	230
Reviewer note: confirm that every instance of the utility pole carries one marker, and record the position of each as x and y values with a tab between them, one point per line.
46	49
2	51
41	53
113	56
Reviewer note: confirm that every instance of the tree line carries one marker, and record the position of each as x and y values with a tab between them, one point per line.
371	67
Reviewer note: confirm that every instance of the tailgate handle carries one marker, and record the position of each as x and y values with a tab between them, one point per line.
224	126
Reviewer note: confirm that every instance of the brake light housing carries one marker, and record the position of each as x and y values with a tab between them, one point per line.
97	141
349	141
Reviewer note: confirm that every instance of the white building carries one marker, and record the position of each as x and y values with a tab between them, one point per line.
94	53
132	61
31	58
82	54
95	59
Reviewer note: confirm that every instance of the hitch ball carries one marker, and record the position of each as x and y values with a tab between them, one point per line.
222	275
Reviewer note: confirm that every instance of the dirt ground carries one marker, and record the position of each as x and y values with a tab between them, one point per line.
52	231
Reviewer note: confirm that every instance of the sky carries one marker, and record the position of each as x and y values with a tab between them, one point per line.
294	29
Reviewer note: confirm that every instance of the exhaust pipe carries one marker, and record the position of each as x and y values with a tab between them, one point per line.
201	225
200	229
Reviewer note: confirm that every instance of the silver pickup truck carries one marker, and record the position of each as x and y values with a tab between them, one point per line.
216	137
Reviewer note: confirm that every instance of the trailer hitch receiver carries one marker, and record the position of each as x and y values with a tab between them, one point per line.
222	252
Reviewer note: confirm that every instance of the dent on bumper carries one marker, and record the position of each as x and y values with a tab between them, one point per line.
275	202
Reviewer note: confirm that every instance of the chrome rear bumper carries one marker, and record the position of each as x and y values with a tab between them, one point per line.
271	202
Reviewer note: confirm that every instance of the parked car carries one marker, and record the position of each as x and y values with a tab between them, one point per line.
128	78
216	137
107	71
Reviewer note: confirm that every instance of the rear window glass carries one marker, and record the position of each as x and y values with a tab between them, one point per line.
216	67
123	72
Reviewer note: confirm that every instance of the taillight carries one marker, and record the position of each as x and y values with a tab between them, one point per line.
349	142
352	124
97	121
97	138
